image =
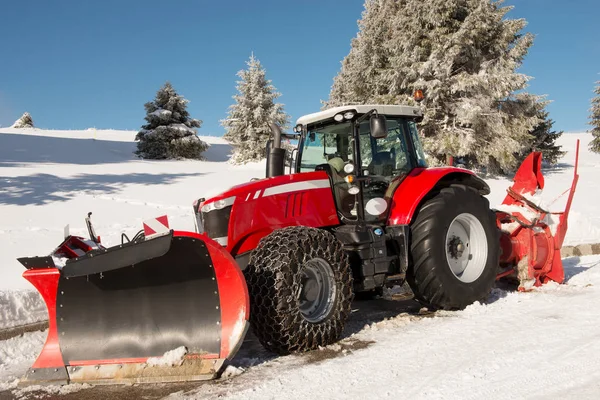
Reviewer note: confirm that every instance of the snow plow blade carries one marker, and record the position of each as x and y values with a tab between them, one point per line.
114	312
532	237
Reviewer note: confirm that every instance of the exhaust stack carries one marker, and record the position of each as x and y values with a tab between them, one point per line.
275	154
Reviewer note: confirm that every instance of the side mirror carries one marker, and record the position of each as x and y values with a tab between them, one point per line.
378	126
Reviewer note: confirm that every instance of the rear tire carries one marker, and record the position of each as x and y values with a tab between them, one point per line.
300	288
454	249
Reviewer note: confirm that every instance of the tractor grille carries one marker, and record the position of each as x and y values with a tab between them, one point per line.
216	224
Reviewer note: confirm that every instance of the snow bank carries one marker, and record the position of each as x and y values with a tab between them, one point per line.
20	307
38	391
17	355
21	350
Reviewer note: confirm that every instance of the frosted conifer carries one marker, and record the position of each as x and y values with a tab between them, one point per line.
170	131
360	77
544	138
247	124
24	122
464	55
595	121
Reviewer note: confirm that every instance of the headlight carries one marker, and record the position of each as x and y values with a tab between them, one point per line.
349	168
353	190
338	117
218	204
349	115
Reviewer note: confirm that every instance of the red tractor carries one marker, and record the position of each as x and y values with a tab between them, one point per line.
361	211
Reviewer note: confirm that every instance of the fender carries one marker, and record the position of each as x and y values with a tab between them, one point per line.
410	191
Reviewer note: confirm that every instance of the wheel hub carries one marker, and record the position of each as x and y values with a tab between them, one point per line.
456	247
317	291
466	247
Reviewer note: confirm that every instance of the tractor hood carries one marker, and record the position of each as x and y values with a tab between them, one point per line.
269	186
239	217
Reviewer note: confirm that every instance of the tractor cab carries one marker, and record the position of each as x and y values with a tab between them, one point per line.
366	150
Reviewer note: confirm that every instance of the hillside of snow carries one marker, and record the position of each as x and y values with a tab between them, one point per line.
49	179
535	345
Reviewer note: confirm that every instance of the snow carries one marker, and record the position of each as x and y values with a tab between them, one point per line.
536	345
49	179
59	262
37	390
524	211
540	344
19	307
17	355
170	358
182	127
231	371
162	113
537	198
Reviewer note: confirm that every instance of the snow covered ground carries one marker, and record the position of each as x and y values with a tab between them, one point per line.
540	344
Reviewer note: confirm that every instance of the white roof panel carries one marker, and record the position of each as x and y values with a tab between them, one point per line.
395	110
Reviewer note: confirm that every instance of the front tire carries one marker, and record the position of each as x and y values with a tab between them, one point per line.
300	288
454	249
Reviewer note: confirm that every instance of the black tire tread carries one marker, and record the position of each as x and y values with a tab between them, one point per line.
423	274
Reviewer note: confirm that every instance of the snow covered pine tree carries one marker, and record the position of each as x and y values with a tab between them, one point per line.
595	121
170	131
544	139
247	123
464	55
24	122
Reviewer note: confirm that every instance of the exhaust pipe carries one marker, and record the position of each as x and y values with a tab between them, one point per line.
275	154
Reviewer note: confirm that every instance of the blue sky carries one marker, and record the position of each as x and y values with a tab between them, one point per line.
79	64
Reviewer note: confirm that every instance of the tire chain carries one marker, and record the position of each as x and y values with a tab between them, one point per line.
274	275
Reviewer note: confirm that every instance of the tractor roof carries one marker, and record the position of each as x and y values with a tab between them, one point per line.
405	111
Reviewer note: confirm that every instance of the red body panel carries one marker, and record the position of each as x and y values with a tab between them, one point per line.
263	206
46	282
406	198
235	309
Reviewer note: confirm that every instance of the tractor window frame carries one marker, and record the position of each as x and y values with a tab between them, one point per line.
417	145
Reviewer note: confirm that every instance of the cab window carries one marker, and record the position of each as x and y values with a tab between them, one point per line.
323	143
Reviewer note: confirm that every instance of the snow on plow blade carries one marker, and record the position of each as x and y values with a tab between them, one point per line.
532	237
112	309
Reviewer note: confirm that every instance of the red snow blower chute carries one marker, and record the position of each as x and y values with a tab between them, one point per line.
532	237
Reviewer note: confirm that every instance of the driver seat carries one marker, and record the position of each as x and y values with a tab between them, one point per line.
383	163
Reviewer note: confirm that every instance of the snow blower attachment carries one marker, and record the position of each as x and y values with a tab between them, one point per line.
532	237
111	309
